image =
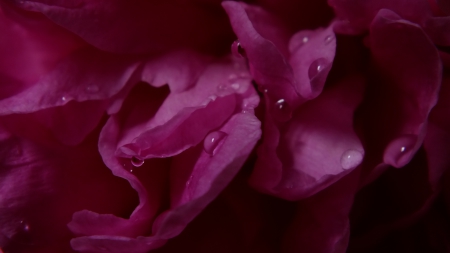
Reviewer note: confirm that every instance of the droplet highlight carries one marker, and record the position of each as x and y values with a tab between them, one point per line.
136	162
317	67
400	151
213	140
282	110
237	50
351	159
63	98
328	39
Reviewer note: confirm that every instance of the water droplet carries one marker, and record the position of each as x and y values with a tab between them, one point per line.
350	159
235	86
305	40
316	67
136	162
282	110
232	77
400	151
63	98
25	227
213	140
262	89
92	88
237	50
328	39
188	182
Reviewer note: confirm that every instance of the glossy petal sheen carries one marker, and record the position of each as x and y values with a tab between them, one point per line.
167	130
316	148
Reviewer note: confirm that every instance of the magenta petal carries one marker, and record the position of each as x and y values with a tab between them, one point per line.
85	75
356	15
171	138
410	84
396	200
68	124
209	176
321	223
141	27
267	57
312	54
41	186
437	28
30	46
155	122
316	148
437	140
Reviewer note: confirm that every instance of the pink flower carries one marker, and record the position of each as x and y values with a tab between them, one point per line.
177	127
137	127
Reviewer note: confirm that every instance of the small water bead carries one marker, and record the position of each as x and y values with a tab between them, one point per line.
63	98
316	67
136	161
262	89
400	151
351	158
25	227
213	140
305	40
237	50
328	39
282	110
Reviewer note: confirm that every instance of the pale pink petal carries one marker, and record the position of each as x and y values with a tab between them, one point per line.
315	149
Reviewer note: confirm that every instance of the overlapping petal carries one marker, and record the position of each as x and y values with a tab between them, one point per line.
181	175
141	27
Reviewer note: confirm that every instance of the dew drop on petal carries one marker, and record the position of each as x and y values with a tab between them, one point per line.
237	50
328	39
262	89
305	39
350	159
316	67
213	140
400	151
63	98
282	110
136	162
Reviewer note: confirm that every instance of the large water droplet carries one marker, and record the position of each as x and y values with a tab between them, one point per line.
237	50
282	110
213	140
136	161
305	39
400	151
25	227
316	67
350	159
